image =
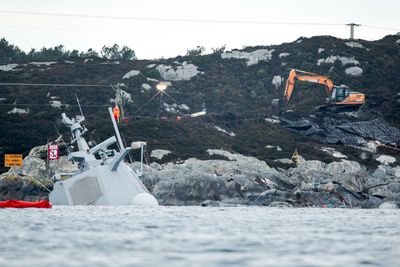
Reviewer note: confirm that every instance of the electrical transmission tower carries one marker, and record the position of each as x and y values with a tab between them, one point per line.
352	25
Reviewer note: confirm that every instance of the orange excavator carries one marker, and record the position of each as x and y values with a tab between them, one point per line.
339	97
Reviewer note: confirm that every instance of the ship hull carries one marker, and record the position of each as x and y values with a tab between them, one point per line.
102	186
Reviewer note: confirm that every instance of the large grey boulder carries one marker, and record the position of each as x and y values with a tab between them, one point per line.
23	188
184	71
194	181
371	203
194	190
384	181
389	205
349	173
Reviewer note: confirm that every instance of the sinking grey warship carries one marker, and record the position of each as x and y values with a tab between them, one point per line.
103	176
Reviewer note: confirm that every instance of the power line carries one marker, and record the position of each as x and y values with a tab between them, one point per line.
70	29
166	19
47	105
381	28
57	84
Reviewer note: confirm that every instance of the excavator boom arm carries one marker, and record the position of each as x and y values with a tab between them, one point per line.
307	77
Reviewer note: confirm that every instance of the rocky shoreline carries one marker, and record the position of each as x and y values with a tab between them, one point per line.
237	180
242	180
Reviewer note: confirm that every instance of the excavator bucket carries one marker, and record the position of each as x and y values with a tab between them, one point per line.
289	85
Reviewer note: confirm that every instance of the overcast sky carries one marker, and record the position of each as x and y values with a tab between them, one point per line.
154	39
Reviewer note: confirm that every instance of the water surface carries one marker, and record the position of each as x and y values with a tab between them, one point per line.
198	236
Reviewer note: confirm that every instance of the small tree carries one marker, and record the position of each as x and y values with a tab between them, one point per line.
90	53
196	51
9	52
74	53
127	54
110	52
218	50
115	53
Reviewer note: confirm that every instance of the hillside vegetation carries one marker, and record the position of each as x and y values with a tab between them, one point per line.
235	87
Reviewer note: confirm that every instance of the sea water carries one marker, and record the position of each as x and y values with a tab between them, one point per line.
199	236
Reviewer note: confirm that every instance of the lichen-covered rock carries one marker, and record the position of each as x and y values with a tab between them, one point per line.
184	191
388	205
371	203
280	204
23	188
159	153
180	72
354	71
251	57
130	74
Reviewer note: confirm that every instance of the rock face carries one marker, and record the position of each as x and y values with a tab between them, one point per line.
250	57
241	180
181	72
354	45
19	111
385	159
23	188
333	59
277	81
33	181
389	205
159	153
354	71
195	181
130	74
9	67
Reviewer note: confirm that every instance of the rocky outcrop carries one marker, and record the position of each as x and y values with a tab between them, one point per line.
194	181
23	188
180	72
241	180
251	57
32	181
159	153
130	74
354	71
389	205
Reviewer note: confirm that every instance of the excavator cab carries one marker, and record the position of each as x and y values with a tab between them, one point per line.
339	93
343	95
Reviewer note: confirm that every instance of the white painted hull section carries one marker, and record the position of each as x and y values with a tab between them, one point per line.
101	186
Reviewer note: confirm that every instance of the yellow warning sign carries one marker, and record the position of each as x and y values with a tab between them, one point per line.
13	160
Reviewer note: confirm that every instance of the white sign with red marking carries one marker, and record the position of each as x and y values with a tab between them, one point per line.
52	152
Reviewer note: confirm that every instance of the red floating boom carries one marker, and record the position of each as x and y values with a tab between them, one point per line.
42	204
